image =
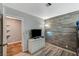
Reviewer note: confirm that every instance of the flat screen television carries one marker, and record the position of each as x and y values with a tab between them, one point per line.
35	33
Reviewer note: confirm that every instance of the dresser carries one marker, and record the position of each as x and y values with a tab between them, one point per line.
35	45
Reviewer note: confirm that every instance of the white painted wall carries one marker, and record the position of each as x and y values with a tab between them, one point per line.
1	8
30	22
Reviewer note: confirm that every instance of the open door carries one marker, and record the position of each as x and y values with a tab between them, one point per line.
13	36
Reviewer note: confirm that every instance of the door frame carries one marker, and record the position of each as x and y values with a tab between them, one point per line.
5	39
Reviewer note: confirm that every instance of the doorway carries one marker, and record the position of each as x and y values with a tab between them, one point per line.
13	36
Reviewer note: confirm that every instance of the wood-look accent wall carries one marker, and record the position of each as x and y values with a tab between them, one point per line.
62	30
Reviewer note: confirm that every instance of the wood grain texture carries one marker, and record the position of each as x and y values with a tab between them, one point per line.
13	49
62	31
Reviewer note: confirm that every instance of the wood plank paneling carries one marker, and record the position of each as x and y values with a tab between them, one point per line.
62	31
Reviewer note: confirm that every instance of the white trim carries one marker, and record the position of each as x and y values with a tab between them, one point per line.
12	17
4	35
22	35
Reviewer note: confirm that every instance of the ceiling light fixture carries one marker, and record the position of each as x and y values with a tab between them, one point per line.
48	4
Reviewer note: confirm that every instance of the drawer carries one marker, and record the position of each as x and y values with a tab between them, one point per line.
34	49
35	45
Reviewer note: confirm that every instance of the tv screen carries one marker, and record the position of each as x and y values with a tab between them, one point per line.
35	33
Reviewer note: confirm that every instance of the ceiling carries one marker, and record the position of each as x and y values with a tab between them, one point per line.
43	11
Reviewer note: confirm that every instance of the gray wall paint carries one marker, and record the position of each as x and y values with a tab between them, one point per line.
1	8
1	12
30	22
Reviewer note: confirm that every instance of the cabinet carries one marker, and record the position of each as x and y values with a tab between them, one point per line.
35	45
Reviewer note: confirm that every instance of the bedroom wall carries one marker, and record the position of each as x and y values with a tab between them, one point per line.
1	24
61	30
29	22
0	21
